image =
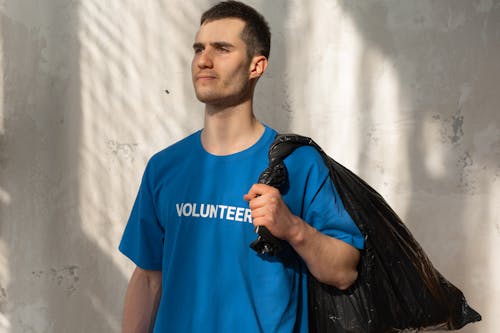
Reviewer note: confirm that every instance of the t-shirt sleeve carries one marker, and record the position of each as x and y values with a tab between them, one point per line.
321	205
142	240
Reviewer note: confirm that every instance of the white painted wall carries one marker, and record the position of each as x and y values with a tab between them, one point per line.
405	93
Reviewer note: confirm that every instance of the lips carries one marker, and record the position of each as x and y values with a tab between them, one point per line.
205	77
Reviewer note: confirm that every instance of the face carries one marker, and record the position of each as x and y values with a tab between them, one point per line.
221	70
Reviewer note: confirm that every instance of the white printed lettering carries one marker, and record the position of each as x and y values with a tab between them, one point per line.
222	210
208	211
248	216
179	209
213	211
195	214
239	214
187	209
230	213
204	212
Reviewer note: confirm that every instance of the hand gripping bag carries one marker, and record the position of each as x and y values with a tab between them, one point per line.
397	288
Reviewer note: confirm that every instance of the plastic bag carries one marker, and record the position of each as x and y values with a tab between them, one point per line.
397	288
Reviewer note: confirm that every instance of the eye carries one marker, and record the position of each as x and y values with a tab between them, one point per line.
198	48
222	49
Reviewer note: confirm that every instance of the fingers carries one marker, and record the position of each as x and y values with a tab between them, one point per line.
269	210
263	201
264	210
258	190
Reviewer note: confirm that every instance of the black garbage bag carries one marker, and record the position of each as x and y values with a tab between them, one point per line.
397	287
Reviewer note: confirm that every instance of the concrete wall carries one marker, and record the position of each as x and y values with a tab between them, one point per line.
405	93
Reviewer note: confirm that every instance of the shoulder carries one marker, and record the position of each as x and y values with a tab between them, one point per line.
305	154
307	172
172	155
176	150
306	159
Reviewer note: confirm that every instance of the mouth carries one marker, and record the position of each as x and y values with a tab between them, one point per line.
205	77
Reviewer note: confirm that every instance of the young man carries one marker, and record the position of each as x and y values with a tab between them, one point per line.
197	207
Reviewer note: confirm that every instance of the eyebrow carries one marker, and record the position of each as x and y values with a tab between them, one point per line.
214	44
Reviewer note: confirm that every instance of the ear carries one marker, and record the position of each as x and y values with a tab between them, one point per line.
258	66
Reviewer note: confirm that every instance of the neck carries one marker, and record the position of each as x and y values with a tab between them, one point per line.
230	130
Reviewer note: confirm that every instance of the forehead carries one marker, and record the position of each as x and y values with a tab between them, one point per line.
227	29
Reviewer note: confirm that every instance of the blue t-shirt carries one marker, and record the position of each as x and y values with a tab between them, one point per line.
191	222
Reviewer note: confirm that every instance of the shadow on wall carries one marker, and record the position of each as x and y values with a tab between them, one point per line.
410	90
58	279
441	54
272	99
76	78
72	95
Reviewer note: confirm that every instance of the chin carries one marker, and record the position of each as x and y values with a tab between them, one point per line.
208	98
219	100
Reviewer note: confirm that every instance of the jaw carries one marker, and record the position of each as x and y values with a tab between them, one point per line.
227	96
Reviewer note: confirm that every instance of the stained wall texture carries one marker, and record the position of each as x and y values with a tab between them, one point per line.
405	93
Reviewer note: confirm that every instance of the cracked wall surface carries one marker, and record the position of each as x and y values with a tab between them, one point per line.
405	93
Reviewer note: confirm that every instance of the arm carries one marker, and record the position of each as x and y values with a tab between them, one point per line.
141	301
315	248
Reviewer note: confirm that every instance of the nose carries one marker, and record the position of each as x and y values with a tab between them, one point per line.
204	59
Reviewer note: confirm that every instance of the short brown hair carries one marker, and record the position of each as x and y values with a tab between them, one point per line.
256	34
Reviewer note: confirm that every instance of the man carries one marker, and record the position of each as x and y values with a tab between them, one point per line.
192	223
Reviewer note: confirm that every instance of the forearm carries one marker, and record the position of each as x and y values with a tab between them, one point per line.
141	301
329	260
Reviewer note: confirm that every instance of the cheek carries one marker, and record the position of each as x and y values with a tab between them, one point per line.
193	66
238	76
